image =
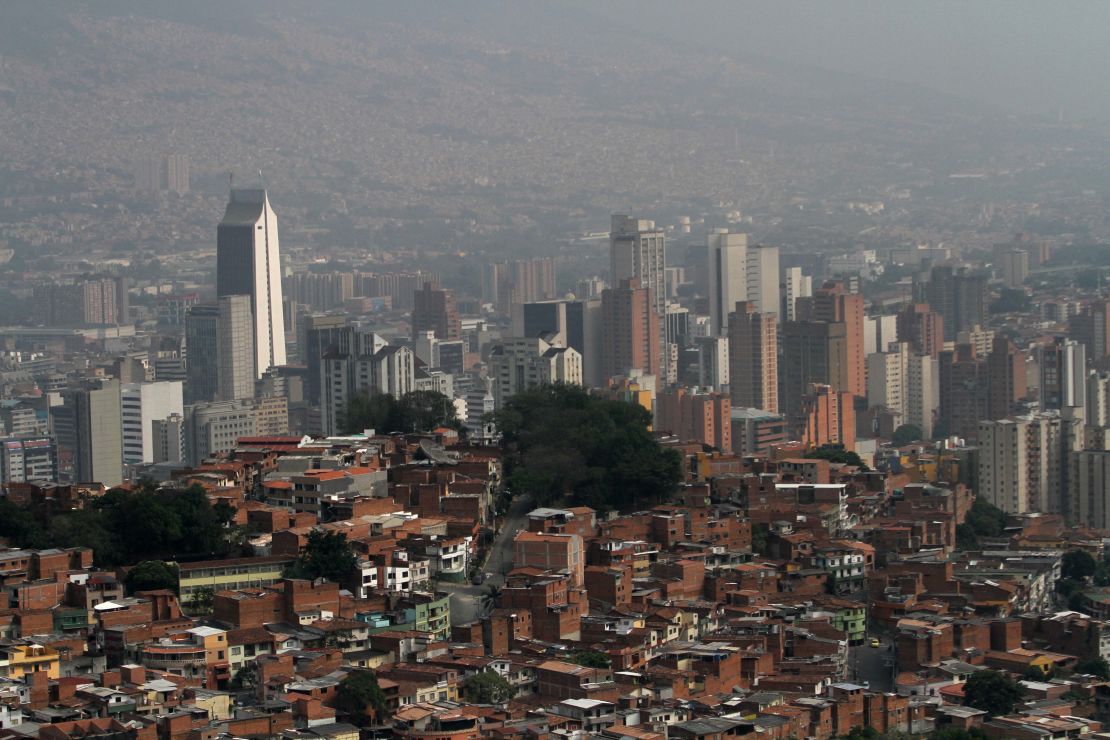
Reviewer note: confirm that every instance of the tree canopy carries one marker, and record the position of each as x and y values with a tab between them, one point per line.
327	555
983	520
151	575
906	434
1094	666
124	527
560	441
591	659
360	697
837	454
993	692
1077	565
416	411
486	687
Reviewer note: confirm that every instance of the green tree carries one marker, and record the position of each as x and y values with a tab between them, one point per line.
200	600
837	454
1094	666
906	434
1033	673
983	520
1078	565
591	659
993	692
486	687
21	526
151	575
416	411
327	555
360	697
368	411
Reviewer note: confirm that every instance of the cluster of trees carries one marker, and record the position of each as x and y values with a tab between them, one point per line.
416	411
906	434
837	454
360	698
560	442
326	555
124	527
1077	569
486	687
591	659
983	520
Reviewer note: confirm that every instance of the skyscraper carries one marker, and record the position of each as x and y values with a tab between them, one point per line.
753	358
629	330
960	296
142	405
248	263
740	272
922	327
235	368
795	285
833	304
434	309
97	441
763	278
201	360
1006	368
637	249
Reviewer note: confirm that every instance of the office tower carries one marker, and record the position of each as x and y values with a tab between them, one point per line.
1091	328
235	356
1024	463
519	363
833	304
753	358
1063	377
322	334
168	439
878	333
214	428
964	392
695	416
506	284
141	405
763	278
638	250
1013	264
201	347
97	441
812	352
26	459
369	366
435	310
248	263
577	322
20	419
1090	481
728	279
713	362
1006	370
960	296
922	397
922	327
795	285
629	330
451	356
829	418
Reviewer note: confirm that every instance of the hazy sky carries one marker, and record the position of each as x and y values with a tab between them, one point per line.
1028	56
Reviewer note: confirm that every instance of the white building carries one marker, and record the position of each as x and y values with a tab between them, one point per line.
1024	463
637	249
519	363
795	285
141	404
740	272
373	367
248	263
906	383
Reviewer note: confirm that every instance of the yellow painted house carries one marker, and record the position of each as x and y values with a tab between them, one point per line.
16	661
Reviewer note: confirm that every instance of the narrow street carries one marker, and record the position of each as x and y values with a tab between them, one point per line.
875	666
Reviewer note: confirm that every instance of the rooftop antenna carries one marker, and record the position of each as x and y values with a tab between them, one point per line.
261	181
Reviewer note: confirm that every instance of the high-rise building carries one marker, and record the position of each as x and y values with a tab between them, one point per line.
906	383
1098	400
320	291
728	278
922	327
812	352
1091	328
829	418
637	249
753	358
1063	381
1024	463
1090	482
168	439
1014	267
629	330
713	362
141	405
97	433
577	322
370	366
755	431
519	363
1006	369
696	416
506	284
322	334
213	428
235	370
202	381
833	304
795	285
26	459
248	262
763	278
964	391
434	309
960	296
878	333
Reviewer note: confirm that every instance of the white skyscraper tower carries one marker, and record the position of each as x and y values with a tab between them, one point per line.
728	276
248	263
